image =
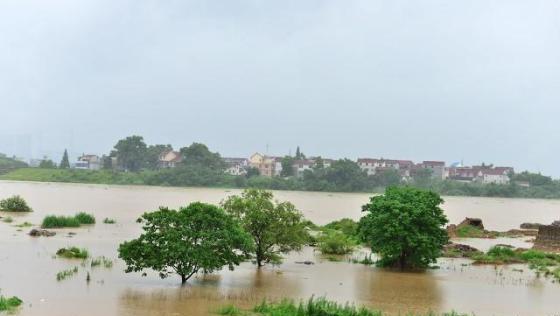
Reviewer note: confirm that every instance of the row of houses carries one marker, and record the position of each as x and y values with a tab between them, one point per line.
438	170
271	166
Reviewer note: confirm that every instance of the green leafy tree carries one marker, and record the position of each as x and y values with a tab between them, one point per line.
199	237
107	162
131	153
198	155
47	164
405	227
275	227
65	163
287	166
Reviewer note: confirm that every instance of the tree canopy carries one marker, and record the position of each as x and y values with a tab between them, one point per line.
405	227
199	155
64	163
275	227
131	153
199	237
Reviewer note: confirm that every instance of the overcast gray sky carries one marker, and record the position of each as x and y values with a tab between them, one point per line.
441	80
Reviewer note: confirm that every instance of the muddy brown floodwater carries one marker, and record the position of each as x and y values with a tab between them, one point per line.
28	269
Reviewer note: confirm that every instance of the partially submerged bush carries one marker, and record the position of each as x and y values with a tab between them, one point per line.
334	242
109	221
345	225
72	253
7	219
14	204
85	218
9	304
54	221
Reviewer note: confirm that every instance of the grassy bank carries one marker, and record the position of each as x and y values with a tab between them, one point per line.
313	307
201	177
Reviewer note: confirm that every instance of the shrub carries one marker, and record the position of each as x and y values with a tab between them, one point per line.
85	218
53	221
72	253
9	304
334	242
109	221
345	225
14	204
7	219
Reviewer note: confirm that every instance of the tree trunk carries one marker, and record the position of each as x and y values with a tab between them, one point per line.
183	279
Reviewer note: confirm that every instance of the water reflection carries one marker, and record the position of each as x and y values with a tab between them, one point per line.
398	292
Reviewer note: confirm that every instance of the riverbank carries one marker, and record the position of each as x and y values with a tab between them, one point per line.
169	178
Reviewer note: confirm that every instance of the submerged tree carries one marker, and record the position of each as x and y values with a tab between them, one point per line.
275	227
405	227
199	237
64	163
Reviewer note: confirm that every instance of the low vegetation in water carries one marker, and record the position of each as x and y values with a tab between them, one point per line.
57	221
109	221
24	224
7	219
9	304
101	261
313	307
334	242
73	253
64	274
85	218
542	262
14	204
347	226
366	260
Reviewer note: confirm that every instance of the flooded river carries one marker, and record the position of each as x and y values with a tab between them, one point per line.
28	269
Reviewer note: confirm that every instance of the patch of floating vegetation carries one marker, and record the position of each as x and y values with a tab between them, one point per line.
9	304
72	253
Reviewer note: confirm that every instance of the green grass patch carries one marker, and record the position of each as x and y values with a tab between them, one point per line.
230	310
55	221
73	253
109	221
470	232
7	219
85	218
14	204
64	274
9	304
542	262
